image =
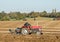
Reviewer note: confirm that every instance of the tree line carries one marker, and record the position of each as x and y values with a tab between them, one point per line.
19	16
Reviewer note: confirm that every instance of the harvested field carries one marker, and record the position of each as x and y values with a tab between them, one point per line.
44	24
51	31
30	38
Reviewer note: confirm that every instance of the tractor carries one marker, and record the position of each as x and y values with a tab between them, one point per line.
28	29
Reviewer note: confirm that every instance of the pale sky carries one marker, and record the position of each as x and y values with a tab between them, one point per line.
29	5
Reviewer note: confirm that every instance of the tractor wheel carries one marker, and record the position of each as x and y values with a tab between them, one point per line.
38	33
25	31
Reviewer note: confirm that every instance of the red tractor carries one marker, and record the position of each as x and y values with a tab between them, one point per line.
28	29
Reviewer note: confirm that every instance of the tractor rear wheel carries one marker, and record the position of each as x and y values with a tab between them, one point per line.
38	33
24	31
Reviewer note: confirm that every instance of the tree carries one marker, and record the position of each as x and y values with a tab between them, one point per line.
44	13
5	18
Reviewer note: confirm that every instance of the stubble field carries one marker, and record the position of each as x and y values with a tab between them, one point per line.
50	29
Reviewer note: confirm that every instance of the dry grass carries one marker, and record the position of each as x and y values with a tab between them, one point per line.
30	38
14	24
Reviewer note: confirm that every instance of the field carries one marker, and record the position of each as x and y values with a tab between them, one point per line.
50	29
29	38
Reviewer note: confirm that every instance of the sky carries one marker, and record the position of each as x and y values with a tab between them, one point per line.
29	5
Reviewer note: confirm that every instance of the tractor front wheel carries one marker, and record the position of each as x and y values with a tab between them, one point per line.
24	31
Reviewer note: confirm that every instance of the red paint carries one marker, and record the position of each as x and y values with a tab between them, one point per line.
25	26
36	27
33	27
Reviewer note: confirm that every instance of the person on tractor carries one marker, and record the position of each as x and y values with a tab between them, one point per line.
26	25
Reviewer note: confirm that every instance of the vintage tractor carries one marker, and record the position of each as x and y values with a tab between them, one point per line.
28	29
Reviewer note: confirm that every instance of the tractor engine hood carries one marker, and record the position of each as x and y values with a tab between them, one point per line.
36	27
